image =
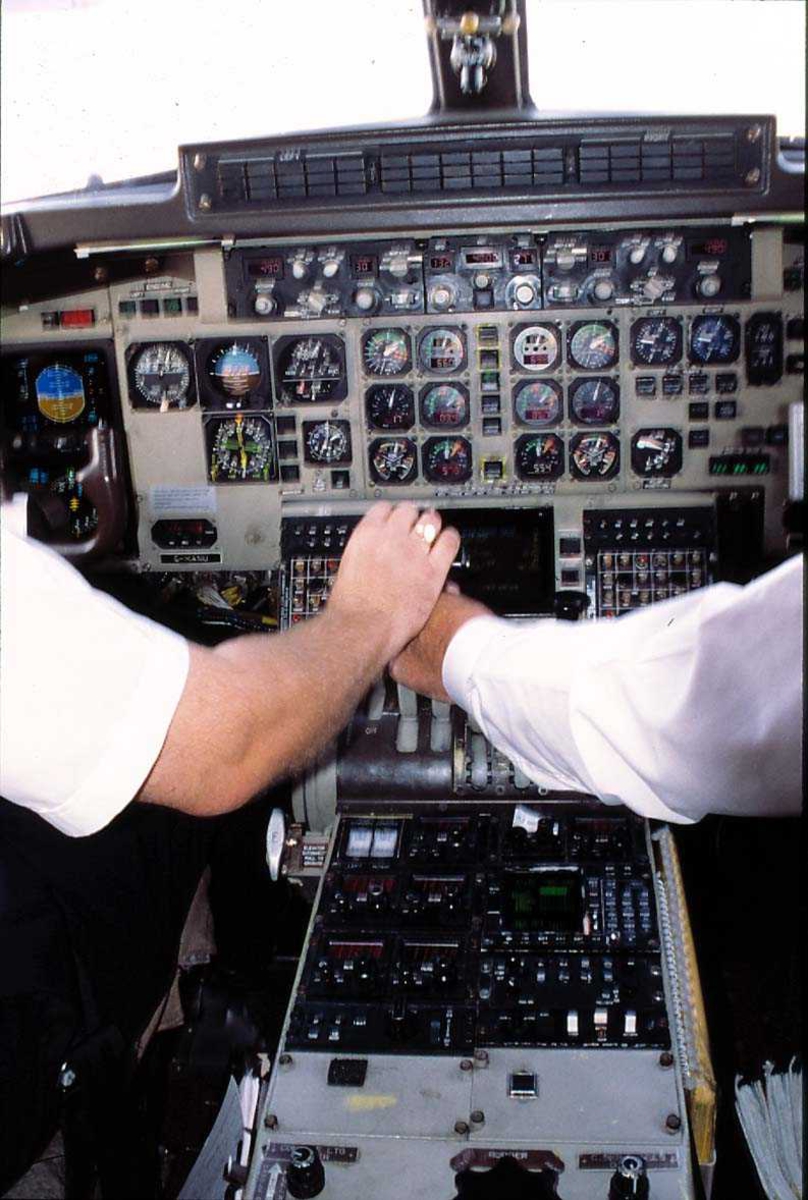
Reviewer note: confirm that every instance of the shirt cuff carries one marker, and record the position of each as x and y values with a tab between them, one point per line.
463	652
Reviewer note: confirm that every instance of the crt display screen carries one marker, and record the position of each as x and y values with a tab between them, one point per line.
542	901
506	558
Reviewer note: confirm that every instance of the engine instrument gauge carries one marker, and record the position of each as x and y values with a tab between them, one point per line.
537	347
161	376
59	393
444	404
594	456
539	456
656	452
592	345
594	401
537	402
310	369
447	459
241	449
390	406
392	460
327	441
442	350
714	339
386	352
656	341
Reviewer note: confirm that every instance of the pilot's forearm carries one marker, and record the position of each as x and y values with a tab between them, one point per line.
257	709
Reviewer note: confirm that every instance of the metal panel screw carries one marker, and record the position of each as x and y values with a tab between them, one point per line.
67	1077
284	1060
478	1117
673	1122
466	1064
666	1059
270	1121
752	177
200	162
205	202
461	1127
481	1057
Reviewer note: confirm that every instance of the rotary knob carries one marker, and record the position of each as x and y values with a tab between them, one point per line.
300	268
709	286
630	1179
604	289
670	253
305	1174
636	255
442	296
524	294
366	299
330	268
264	305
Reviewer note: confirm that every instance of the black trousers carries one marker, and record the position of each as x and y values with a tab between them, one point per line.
89	933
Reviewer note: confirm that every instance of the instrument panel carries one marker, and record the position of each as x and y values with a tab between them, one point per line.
568	368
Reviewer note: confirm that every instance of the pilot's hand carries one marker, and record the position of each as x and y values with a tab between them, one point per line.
420	664
392	572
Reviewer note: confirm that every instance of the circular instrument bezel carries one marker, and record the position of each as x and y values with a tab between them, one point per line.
445	389
519	337
405	403
671	465
452	331
555	465
613	444
213	426
723	320
603	364
463	446
291	389
585	384
310	430
528	385
670	324
213	395
138	398
402	365
408	446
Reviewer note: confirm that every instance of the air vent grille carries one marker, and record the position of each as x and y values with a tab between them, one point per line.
258	180
465	170
680	159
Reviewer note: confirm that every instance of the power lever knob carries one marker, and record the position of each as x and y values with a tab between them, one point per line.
630	1179
305	1174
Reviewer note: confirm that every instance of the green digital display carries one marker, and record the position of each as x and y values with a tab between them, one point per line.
542	902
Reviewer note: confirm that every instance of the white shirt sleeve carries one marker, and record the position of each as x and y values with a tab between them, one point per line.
689	707
88	690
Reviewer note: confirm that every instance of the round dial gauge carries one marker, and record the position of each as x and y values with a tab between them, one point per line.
444	404
310	369
593	345
447	459
390	406
386	352
161	374
327	441
714	339
442	350
241	449
537	402
392	460
235	370
539	456
60	393
656	452
594	401
537	347
594	455
656	341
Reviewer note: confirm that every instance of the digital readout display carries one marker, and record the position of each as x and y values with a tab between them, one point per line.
481	258
713	247
265	268
441	262
600	256
524	258
364	264
542	901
